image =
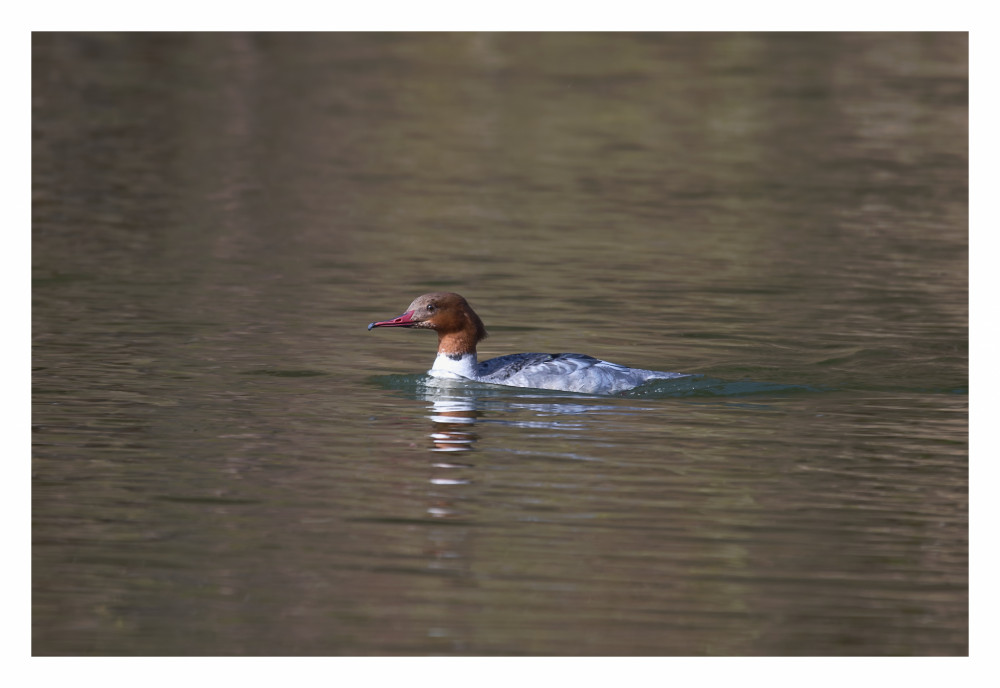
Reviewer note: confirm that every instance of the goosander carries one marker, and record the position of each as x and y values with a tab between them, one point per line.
459	329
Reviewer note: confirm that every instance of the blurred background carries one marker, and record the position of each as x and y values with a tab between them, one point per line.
226	462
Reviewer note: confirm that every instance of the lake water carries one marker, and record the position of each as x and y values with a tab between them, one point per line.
226	462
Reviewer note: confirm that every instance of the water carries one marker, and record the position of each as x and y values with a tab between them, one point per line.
226	461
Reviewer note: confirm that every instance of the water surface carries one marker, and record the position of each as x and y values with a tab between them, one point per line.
226	461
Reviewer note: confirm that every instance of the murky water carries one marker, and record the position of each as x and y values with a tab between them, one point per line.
227	462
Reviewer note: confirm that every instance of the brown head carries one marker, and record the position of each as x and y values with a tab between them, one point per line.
459	328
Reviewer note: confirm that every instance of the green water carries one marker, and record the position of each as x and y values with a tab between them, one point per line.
225	461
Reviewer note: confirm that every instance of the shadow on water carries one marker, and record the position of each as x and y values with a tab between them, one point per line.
457	406
700	386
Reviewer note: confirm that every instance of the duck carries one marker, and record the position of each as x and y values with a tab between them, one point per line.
460	330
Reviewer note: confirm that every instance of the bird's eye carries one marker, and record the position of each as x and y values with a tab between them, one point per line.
431	307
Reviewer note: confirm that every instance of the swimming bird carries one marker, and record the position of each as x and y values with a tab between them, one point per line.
459	330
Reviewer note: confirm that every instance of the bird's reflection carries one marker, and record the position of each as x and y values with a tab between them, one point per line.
453	421
453	415
456	408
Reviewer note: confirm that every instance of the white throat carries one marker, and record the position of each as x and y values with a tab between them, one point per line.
447	367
